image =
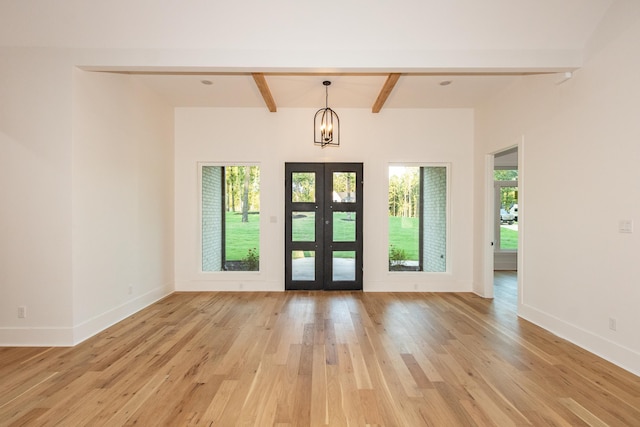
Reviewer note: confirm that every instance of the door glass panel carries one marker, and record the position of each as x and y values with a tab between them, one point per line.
303	226
508	218
344	265
303	265
344	226
344	187
303	187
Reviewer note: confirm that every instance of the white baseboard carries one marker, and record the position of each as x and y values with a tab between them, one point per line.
68	337
97	324
402	284
418	284
36	337
615	353
250	285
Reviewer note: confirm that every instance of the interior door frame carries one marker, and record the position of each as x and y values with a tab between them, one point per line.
486	290
324	206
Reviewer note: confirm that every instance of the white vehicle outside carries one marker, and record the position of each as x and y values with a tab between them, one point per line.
506	217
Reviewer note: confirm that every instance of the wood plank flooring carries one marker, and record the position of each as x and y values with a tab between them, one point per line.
319	359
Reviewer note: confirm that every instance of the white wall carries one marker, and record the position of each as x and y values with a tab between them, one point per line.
580	175
35	197
255	135
122	199
72	144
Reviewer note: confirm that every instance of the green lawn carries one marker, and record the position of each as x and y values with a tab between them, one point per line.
241	236
403	232
303	226
344	229
403	235
508	238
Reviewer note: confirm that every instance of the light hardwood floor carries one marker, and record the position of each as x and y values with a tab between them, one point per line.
332	358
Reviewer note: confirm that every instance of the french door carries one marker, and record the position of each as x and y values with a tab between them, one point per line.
323	226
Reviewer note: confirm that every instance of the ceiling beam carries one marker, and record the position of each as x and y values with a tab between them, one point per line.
261	82
392	79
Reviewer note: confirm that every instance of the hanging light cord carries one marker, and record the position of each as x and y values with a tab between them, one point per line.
326	96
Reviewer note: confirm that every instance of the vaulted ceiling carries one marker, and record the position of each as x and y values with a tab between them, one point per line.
275	54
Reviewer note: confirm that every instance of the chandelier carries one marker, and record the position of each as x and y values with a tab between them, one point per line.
326	124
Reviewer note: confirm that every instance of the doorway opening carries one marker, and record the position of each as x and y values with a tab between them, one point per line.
506	224
323	226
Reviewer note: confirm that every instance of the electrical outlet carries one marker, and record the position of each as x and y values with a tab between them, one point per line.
130	289
625	226
612	324
22	312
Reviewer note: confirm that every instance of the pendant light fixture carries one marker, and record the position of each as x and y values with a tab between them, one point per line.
326	124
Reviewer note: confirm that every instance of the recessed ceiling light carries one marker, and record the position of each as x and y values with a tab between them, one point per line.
445	83
206	82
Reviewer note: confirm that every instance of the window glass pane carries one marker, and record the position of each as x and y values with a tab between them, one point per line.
344	226
230	218
404	220
303	226
344	187
344	265
242	219
303	265
303	187
508	218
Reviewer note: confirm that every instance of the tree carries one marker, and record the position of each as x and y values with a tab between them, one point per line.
245	194
508	195
505	175
303	186
230	179
404	192
254	189
394	195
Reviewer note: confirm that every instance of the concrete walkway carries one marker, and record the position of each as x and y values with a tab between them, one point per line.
343	269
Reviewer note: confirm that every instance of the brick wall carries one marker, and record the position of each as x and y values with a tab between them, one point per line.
434	217
212	186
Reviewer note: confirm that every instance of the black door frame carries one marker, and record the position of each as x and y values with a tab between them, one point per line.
323	207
